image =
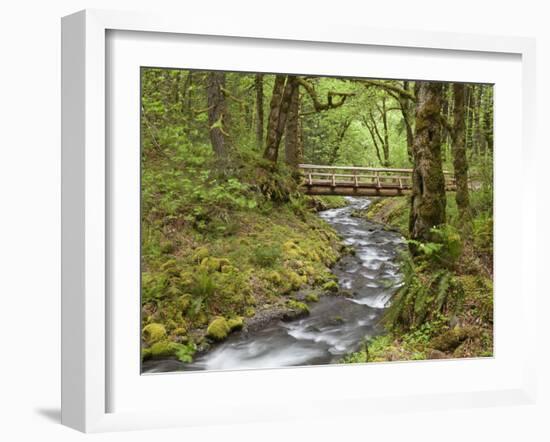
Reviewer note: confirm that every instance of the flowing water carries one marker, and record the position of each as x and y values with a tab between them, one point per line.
337	325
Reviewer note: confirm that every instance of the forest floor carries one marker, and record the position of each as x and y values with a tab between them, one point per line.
463	331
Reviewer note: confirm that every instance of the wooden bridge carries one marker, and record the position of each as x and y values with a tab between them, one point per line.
360	181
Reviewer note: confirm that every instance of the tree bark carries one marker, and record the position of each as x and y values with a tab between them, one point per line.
217	114
460	161
259	86
405	104
280	103
428	191
386	144
293	142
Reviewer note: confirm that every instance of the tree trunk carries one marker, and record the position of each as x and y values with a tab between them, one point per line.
217	114
460	161
293	143
428	191
259	86
488	117
405	105
280	102
386	144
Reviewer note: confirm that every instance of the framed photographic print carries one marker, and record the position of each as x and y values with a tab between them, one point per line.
250	214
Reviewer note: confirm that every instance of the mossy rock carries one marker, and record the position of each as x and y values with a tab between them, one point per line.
152	333
164	349
235	324
201	319
331	286
312	297
451	339
145	354
297	310
180	331
218	329
199	254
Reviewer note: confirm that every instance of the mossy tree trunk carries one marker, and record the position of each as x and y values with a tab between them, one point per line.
259	86
460	161
293	142
405	105
428	192
280	103
217	114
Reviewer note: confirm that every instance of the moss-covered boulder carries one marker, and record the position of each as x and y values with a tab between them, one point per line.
451	339
312	297
296	310
218	329
152	333
235	324
164	349
331	286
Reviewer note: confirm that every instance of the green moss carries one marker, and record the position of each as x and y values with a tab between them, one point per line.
180	331
235	323
331	286
164	349
153	332
170	268
167	246
145	354
296	281
200	254
229	269
298	307
249	312
312	297
451	339
274	277
218	329
184	302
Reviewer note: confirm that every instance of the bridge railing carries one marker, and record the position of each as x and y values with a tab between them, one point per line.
355	176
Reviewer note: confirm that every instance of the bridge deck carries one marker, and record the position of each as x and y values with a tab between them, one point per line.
360	181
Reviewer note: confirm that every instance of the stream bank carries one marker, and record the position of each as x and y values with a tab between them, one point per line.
336	325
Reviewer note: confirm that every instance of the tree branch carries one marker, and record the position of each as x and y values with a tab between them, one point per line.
331	103
388	87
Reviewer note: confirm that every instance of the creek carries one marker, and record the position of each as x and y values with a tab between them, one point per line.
336	325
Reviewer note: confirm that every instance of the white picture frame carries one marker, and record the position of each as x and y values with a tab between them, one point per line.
86	315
